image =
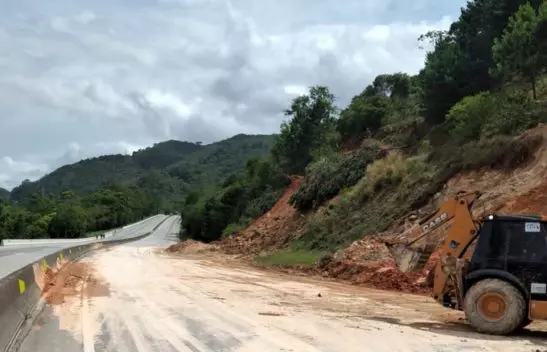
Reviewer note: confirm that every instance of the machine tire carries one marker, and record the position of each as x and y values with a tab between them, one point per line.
480	307
525	323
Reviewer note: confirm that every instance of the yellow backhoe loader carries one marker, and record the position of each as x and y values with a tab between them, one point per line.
494	269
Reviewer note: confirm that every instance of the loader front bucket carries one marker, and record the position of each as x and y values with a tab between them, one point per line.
408	258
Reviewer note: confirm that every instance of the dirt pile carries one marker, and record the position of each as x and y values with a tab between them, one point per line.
192	247
368	262
75	279
273	230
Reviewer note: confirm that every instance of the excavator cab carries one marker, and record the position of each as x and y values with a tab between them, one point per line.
504	286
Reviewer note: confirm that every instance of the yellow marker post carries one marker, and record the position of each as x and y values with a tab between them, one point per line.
22	287
61	256
44	265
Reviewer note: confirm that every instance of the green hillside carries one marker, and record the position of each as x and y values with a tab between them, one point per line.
110	191
4	193
167	168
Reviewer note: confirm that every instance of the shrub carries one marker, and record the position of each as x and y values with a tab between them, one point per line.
469	115
387	172
486	115
327	177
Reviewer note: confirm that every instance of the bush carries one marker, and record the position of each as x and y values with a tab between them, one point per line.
499	153
325	178
514	114
486	115
469	115
363	117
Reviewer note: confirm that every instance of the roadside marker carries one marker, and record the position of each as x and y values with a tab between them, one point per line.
44	265
22	287
61	256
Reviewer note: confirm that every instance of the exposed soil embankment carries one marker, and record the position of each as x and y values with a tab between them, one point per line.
272	231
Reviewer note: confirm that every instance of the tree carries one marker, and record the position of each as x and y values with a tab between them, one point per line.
520	50
364	116
395	86
312	121
440	76
459	60
70	221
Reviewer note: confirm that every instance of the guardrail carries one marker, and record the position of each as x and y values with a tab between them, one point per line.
21	291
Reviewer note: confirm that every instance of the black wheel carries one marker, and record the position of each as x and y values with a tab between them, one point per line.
495	307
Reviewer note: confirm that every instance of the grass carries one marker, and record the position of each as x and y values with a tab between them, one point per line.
290	257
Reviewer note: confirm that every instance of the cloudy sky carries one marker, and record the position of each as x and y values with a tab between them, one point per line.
84	78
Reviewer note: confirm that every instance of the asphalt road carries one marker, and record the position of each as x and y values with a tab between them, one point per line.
134	298
13	258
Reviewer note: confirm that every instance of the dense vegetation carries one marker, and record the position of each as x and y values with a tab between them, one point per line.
403	136
110	191
4	194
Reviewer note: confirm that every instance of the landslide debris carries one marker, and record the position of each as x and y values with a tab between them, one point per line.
191	247
274	230
73	280
511	183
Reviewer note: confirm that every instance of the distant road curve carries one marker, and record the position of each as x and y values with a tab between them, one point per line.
16	256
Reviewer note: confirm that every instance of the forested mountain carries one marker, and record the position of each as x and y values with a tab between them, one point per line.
113	190
4	193
171	166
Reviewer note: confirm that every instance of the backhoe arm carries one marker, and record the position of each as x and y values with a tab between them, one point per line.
409	255
461	235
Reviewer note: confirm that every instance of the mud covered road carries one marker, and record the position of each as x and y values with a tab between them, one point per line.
134	298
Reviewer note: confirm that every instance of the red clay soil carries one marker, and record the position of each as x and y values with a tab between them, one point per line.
74	279
368	262
533	202
191	247
272	231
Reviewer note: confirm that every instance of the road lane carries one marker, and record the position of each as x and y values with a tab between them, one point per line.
15	257
136	299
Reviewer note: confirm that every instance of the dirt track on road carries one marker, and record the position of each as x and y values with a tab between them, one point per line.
145	301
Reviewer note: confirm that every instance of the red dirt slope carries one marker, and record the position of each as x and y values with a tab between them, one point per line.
272	231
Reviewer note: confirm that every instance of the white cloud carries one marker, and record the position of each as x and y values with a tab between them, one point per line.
82	79
294	89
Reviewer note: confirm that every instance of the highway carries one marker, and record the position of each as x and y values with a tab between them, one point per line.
15	257
136	298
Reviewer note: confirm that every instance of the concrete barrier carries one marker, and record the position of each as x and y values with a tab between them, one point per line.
140	222
20	292
47	241
27	242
